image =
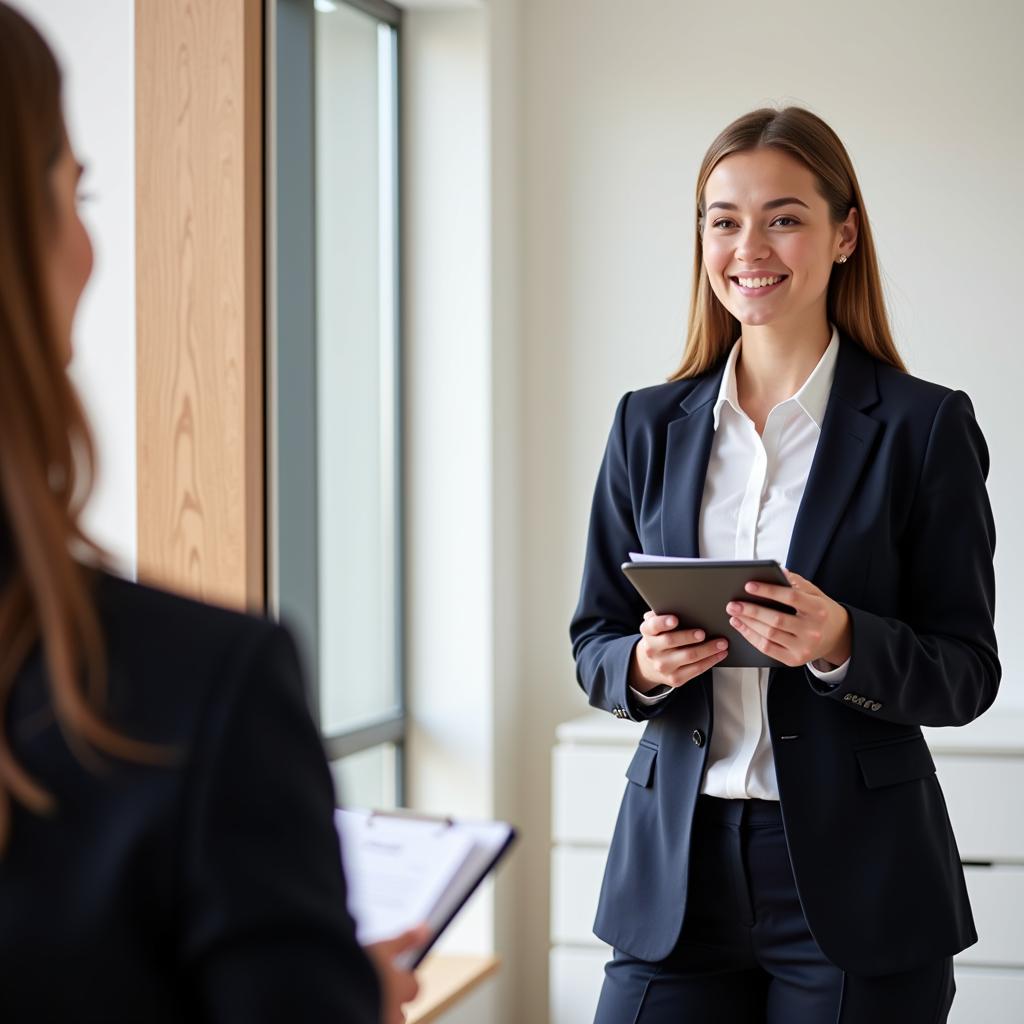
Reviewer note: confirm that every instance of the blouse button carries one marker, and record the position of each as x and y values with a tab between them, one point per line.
698	738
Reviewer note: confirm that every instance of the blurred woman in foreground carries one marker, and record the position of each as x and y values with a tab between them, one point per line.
168	848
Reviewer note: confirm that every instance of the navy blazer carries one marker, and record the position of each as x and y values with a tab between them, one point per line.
209	890
895	524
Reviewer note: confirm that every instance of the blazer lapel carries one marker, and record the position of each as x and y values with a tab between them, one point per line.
687	450
846	441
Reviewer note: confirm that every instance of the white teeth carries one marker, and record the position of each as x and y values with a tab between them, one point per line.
758	282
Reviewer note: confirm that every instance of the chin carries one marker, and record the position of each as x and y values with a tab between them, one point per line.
758	318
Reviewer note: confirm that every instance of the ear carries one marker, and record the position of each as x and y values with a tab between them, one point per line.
848	231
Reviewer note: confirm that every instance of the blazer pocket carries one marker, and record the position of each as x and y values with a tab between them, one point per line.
886	764
641	768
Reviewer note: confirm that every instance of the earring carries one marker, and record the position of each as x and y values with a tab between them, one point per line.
842	259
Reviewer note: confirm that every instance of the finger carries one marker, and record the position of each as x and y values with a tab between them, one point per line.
408	987
416	936
658	624
666	645
693	653
801	582
780	652
784	595
691	671
791	641
679	638
791	575
409	939
765	618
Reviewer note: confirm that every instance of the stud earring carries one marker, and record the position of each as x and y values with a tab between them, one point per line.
842	259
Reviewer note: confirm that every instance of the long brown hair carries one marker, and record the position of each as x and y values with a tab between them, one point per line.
855	303
46	450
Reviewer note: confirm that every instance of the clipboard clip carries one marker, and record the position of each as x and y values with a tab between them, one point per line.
401	814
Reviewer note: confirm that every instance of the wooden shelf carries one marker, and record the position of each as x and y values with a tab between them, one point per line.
444	981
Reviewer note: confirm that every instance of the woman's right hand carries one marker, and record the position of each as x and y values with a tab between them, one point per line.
397	985
667	656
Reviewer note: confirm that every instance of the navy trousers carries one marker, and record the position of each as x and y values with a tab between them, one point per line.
745	954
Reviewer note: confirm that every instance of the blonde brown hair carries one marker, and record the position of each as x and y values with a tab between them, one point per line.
46	452
855	303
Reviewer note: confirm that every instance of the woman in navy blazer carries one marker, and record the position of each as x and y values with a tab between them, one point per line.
167	846
837	894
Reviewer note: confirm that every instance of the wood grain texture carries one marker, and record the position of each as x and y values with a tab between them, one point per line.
199	297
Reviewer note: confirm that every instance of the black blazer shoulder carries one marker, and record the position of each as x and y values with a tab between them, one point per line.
209	888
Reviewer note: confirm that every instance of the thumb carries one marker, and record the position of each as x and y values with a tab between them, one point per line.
794	577
409	939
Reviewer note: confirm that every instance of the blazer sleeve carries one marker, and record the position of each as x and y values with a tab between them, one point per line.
606	624
266	934
937	664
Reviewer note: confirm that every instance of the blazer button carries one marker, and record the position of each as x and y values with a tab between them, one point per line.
698	738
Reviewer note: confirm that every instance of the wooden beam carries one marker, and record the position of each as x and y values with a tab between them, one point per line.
199	297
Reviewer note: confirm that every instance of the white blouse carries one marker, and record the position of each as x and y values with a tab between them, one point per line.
752	492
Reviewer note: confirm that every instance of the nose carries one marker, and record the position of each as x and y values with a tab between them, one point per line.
752	245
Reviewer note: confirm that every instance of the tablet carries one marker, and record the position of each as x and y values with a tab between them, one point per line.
696	592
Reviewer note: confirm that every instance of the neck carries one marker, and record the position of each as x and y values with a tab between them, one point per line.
776	359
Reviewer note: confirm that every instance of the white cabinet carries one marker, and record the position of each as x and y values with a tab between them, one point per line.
980	767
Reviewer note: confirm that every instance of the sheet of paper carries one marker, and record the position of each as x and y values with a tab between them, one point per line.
397	871
637	556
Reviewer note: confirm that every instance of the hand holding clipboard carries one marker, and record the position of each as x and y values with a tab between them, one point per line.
404	868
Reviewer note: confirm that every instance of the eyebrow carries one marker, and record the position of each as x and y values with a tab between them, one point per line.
770	205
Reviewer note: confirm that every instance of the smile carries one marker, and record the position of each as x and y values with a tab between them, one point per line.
758	285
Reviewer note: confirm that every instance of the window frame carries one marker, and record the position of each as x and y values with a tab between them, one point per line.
293	570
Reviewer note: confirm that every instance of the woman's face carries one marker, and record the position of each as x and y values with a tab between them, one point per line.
764	218
70	262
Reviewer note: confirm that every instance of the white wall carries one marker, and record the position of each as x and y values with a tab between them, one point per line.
95	44
462	343
620	101
447	428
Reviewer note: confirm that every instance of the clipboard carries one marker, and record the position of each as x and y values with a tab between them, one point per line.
696	591
404	868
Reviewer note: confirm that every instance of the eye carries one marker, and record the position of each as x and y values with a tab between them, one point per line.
721	221
792	220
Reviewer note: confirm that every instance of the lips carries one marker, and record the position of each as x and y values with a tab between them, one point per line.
761	285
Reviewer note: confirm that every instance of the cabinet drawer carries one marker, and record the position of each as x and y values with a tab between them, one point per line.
576	979
985	797
587	787
997	899
987	996
576	875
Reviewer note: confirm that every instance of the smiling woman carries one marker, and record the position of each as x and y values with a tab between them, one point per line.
791	431
795	210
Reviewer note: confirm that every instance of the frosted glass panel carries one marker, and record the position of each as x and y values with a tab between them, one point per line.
356	379
367	779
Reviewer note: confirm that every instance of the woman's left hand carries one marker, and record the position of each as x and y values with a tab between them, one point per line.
819	629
